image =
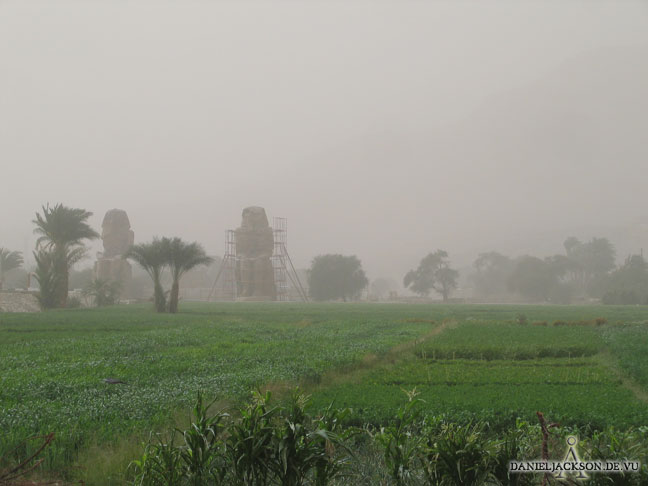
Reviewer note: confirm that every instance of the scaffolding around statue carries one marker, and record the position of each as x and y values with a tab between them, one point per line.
256	265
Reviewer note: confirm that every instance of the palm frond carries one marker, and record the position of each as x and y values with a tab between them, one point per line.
10	260
60	225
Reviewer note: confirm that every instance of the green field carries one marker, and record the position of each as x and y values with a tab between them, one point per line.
467	361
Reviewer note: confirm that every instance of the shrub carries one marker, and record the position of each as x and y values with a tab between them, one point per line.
103	292
73	302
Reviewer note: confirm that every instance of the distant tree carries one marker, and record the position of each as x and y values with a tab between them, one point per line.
62	231
9	260
433	273
571	245
628	284
103	292
565	282
380	287
533	278
493	270
599	257
562	266
589	261
153	258
182	257
334	277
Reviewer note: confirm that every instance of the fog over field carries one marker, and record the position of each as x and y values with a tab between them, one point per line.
382	129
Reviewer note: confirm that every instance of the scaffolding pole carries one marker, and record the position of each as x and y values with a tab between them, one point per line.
282	265
227	271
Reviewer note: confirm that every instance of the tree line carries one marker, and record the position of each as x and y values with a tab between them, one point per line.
586	270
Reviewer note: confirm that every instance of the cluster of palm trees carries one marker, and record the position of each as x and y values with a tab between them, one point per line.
62	232
172	253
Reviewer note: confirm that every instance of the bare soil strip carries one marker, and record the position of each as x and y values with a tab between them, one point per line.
354	372
637	390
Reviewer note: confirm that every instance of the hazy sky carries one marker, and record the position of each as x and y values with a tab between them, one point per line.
382	129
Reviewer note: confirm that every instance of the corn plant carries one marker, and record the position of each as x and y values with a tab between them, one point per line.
199	461
613	444
160	464
460	455
294	453
515	445
202	455
400	443
249	446
330	438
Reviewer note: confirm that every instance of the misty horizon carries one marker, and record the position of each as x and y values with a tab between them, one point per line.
381	129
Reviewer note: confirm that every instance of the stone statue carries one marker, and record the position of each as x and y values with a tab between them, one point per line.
254	245
117	238
116	233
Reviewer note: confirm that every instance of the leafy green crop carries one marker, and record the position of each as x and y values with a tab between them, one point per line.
483	364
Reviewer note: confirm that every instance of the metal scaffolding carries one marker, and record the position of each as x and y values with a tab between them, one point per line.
226	275
287	283
282	265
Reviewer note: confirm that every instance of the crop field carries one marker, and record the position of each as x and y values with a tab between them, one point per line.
500	371
466	361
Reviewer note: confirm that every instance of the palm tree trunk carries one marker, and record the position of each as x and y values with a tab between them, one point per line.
158	293
173	298
65	281
62	271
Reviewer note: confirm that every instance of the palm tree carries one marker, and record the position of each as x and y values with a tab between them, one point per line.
9	260
48	280
62	231
152	257
182	257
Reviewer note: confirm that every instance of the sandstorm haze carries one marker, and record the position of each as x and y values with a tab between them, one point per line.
382	129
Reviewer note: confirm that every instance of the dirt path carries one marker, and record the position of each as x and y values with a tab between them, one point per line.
354	372
637	390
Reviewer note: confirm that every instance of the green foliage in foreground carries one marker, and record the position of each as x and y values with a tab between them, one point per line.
274	445
264	445
52	367
436	452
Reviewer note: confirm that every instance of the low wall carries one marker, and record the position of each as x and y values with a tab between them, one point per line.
18	302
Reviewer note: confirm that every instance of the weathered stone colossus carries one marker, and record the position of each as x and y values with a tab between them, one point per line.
117	238
254	245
